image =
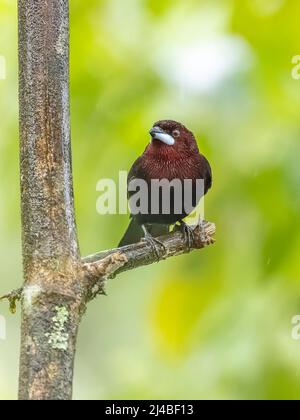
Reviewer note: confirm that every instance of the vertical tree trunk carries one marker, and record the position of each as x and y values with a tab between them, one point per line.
52	298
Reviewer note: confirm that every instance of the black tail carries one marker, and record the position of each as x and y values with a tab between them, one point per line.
134	232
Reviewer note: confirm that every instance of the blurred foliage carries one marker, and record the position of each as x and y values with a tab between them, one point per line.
216	323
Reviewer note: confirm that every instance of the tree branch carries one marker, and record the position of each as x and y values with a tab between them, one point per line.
107	264
13	297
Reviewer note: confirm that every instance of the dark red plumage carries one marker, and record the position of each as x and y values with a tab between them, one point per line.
172	154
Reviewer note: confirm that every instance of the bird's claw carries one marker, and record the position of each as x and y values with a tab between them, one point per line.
155	245
188	233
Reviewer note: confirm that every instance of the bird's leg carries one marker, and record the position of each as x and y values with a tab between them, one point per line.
188	233
153	242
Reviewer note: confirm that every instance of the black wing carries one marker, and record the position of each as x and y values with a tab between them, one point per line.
206	173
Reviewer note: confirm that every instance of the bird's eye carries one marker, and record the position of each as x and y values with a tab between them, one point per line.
176	133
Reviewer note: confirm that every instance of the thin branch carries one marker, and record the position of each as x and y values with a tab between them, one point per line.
107	264
100	267
13	297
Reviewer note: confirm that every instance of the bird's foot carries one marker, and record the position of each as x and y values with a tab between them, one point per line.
188	233
156	245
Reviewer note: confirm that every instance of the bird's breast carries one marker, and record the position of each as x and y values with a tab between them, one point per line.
171	169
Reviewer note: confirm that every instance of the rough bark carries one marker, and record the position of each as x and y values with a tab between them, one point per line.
52	298
57	282
105	265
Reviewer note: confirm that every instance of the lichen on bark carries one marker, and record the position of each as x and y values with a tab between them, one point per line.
58	336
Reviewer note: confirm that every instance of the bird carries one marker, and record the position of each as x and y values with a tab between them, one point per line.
171	155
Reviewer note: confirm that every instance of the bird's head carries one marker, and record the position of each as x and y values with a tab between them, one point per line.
169	134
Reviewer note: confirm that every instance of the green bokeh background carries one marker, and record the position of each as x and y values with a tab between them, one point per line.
216	323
